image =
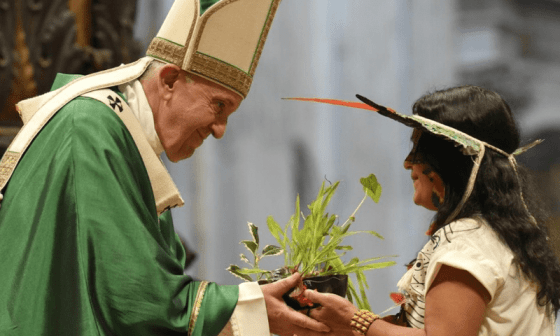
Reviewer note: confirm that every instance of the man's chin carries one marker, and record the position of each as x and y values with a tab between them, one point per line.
176	157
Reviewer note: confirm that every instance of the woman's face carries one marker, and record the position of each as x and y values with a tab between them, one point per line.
428	186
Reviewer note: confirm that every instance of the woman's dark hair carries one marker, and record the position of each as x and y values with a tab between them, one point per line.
484	115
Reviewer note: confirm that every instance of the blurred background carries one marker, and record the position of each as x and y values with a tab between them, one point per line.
389	51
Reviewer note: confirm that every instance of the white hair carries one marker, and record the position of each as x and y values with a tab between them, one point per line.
154	66
153	69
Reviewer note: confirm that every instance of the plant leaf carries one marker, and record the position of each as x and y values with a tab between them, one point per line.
275	230
244	258
235	270
293	224
369	260
252	271
251	246
344	248
355	268
362	284
272	250
377	265
351	233
352	292
330	224
329	192
375	234
353	262
294	219
371	187
254	233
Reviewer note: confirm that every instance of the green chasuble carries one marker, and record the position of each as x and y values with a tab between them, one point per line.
82	250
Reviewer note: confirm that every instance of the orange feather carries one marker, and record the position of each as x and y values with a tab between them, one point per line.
358	105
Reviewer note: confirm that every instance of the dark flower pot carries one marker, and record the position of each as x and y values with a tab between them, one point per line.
334	284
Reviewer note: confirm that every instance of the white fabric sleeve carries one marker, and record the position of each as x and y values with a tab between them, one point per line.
467	258
249	317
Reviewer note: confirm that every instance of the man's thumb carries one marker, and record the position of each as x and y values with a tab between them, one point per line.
290	282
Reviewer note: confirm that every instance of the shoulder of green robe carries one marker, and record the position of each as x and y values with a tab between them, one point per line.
62	79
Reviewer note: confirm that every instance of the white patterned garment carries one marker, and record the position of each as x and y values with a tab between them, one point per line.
473	246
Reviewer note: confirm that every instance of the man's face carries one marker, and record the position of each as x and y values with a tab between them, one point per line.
191	110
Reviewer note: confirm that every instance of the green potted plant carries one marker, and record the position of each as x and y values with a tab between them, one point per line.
316	249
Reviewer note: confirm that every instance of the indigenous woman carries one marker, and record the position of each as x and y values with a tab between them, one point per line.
488	268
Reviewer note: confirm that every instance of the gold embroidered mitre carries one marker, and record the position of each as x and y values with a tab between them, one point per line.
223	45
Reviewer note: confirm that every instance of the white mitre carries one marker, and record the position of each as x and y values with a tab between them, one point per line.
223	45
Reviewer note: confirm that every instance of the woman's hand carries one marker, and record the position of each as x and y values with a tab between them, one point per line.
455	305
335	311
283	320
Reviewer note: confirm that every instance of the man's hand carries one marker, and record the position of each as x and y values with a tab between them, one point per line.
282	319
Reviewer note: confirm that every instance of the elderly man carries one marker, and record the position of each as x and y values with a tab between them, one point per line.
86	238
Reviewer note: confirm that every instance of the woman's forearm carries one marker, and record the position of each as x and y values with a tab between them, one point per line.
384	328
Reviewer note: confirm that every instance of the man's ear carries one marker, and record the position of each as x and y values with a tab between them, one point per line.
168	75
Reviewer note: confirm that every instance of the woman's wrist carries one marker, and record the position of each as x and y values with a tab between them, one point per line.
362	320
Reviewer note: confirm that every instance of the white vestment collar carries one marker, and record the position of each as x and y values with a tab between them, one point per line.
138	102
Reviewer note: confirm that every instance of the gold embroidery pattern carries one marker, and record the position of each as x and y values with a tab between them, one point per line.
264	34
7	166
197	305
167	51
193	25
221	72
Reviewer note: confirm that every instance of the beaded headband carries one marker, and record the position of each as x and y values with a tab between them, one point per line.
469	145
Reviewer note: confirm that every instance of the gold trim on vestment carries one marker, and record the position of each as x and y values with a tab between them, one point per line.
202	65
264	35
221	72
167	51
7	165
197	305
